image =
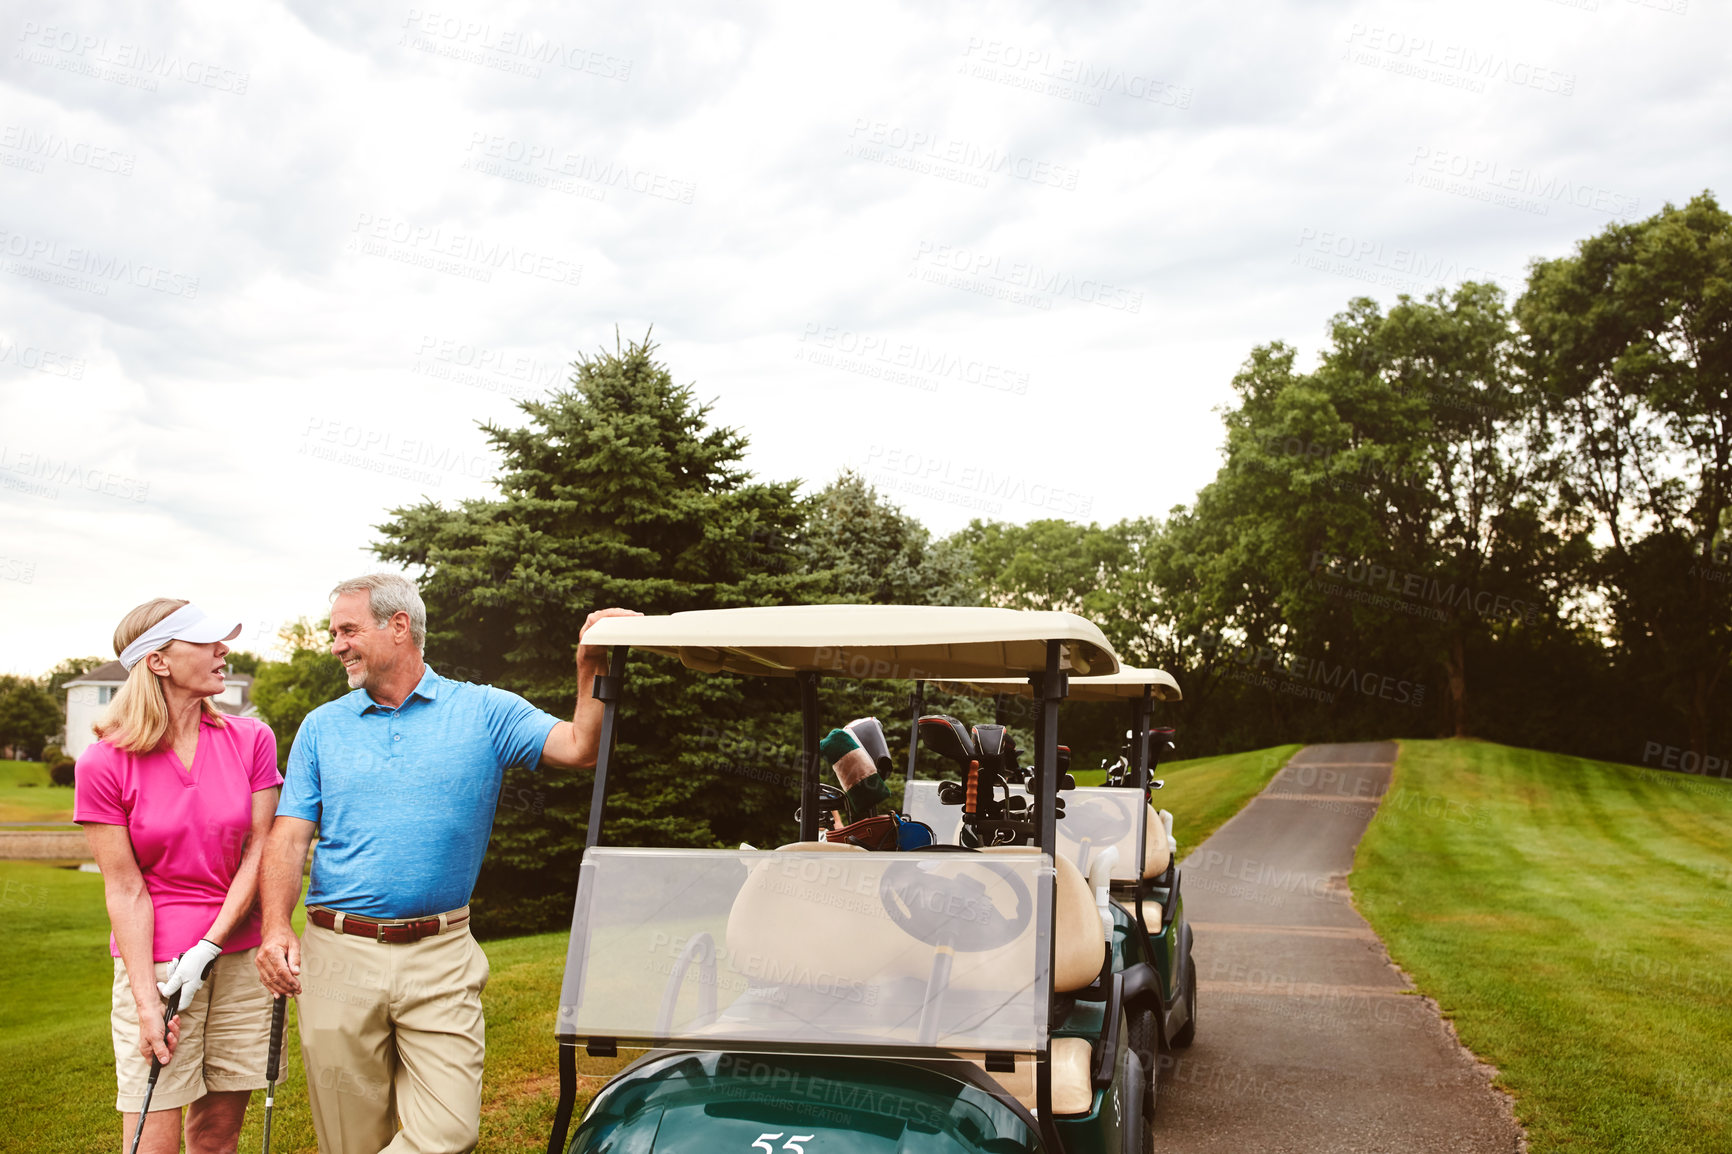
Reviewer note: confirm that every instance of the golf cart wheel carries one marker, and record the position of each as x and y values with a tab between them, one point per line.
1186	1036
1145	1039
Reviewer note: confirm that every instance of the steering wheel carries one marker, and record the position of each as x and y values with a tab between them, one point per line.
830	798
952	911
1091	822
1097	820
932	901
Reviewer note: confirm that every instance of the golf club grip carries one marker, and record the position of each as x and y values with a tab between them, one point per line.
276	1052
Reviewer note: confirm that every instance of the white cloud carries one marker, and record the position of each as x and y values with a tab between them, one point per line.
268	267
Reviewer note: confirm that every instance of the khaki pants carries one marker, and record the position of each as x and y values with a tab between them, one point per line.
393	1035
224	1037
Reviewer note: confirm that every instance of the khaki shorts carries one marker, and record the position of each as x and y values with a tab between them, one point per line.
225	1037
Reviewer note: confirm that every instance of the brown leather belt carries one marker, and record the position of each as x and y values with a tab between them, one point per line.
392	931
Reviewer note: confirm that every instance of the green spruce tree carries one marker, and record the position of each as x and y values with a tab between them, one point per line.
618	491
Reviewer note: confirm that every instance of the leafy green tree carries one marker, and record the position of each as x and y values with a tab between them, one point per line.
1471	517
1215	604
1390	509
73	667
617	491
241	661
1100	572
870	552
864	549
1048	564
29	715
1631	338
286	691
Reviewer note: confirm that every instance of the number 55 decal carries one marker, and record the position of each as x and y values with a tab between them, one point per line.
792	1145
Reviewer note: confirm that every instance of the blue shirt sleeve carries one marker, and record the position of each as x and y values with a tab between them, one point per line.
301	795
519	729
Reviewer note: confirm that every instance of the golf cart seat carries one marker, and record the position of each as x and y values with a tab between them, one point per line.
787	922
1080	941
1084	841
1157	852
1078	950
805	926
1081	938
1155	863
1157	856
1073	1090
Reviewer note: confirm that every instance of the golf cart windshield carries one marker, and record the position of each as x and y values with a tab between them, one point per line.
941	954
1095	817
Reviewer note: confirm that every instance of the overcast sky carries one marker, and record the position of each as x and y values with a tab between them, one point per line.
267	266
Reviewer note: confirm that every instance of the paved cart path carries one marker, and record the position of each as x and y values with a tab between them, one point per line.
1306	1041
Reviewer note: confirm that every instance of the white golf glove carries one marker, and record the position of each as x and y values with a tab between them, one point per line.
188	974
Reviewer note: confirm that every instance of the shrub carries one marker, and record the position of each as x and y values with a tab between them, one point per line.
60	771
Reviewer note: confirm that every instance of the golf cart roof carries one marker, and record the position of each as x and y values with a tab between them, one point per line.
1127	682
866	641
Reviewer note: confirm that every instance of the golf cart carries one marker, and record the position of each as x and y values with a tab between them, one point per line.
820	997
1104	830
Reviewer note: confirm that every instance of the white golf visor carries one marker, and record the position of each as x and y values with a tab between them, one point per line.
188	623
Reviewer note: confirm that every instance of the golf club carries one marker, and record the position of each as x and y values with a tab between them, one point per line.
155	1069
869	732
271	1062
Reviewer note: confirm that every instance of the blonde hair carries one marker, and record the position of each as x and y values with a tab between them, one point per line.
137	719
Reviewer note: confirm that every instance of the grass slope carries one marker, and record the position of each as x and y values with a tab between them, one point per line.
1204	792
1574	919
27	795
54	991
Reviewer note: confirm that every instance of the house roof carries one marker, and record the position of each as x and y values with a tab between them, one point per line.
108	673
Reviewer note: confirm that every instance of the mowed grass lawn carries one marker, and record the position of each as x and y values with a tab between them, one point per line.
58	1064
27	796
57	1061
1574	919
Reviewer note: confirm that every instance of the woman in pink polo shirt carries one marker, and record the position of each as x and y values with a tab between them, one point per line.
176	800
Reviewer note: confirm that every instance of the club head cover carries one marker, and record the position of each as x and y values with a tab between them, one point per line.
862	788
913	834
989	739
869	732
848	761
948	738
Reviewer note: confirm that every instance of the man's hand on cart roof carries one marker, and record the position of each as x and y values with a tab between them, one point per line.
573	744
595	656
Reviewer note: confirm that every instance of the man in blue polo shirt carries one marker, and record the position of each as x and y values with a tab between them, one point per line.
399	780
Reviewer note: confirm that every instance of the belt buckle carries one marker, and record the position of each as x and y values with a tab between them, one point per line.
379	933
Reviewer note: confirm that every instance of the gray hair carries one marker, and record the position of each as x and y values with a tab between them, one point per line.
389	594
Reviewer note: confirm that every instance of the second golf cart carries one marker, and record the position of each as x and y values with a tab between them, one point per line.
1104	830
821	998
